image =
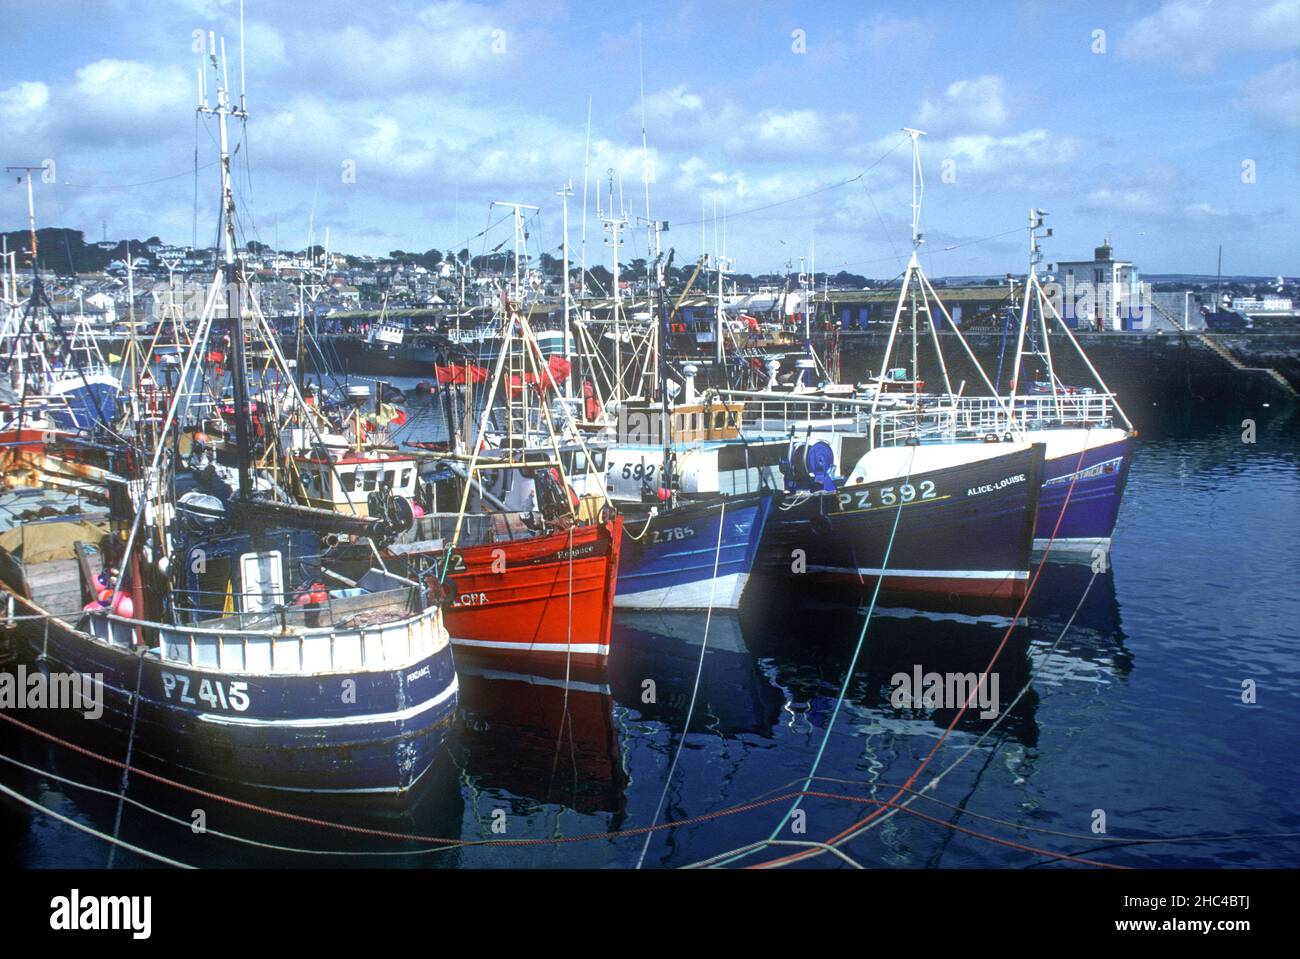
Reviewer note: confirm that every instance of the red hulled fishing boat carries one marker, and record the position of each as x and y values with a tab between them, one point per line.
541	600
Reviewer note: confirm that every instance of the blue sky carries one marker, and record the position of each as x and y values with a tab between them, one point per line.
1142	132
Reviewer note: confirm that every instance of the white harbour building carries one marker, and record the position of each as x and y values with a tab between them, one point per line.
1102	293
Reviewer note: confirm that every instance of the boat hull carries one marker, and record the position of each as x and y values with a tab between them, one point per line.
522	603
363	732
91	400
1098	479
964	534
678	559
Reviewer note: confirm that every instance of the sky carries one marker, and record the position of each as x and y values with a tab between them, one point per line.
774	130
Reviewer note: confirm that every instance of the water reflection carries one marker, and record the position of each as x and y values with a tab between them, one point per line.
663	649
543	739
204	830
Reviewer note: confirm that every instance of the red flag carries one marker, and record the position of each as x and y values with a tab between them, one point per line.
456	375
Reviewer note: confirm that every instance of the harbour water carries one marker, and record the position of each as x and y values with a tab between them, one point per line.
1134	712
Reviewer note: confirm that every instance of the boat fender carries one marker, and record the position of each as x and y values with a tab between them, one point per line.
912	441
590	405
821	525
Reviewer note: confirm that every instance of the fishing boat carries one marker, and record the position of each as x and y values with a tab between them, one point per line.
1088	437
262	681
695	505
520	596
529	558
695	508
936	525
50	374
224	643
535	586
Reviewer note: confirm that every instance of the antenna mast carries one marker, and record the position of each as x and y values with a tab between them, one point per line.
615	225
231	268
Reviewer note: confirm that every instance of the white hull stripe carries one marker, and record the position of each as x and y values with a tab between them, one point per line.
926	573
402	714
534	647
504	675
724	593
1073	544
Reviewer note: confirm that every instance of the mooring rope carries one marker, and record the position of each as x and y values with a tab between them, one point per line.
699	671
13	794
857	651
130	746
878	811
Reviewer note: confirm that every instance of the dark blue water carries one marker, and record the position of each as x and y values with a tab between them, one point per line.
1137	713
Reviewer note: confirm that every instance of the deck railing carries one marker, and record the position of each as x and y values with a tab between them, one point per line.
329	649
896	420
981	414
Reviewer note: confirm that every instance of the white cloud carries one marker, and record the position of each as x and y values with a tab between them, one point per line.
129	88
1037	148
672	105
1273	97
978	104
1191	35
789	131
21	105
1130	201
443	41
1206	210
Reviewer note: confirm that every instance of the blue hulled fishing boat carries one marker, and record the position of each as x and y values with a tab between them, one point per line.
696	555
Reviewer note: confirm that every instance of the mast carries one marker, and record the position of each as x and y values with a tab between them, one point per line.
927	295
1218	273
586	186
652	229
718	325
662	363
615	225
564	193
26	172
231	270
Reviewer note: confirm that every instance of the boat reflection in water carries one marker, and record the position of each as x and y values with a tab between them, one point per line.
253	830
664	647
808	647
542	739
